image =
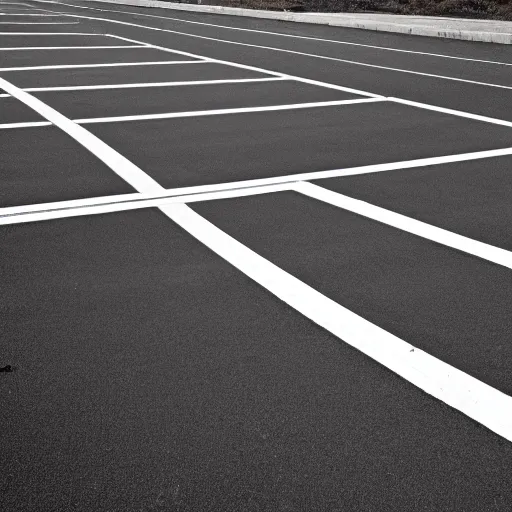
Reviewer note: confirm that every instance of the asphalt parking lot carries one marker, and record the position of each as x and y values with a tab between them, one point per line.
251	265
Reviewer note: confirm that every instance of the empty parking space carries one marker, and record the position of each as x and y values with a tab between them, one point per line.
44	164
186	97
59	40
14	111
196	378
470	198
266	144
63	27
422	292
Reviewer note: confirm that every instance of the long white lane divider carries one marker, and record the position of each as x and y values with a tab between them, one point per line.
468	395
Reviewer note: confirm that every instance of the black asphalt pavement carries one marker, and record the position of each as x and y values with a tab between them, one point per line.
148	373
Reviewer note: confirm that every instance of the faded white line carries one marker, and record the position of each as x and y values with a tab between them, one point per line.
293	36
106	65
118	163
34	48
416	227
346	61
35	34
226	111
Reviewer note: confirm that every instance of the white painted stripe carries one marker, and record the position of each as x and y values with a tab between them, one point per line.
34	48
6	126
305	54
416	227
28	14
38	23
35	34
118	163
226	111
153	84
240	186
106	65
294	36
452	112
477	400
125	202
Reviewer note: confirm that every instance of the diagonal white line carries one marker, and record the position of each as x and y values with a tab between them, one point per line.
416	227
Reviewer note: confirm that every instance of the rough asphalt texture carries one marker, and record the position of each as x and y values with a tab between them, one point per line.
150	375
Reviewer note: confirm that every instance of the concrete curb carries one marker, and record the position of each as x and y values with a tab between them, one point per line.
452	28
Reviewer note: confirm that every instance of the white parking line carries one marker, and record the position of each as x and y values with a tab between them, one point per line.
151	84
293	36
28	14
416	227
124	202
157	84
35	48
226	111
236	188
106	65
36	34
294	52
38	23
198	113
30	124
466	394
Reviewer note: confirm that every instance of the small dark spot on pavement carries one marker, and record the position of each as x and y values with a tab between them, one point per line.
7	368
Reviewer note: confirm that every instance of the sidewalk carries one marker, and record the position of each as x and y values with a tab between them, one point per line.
490	31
